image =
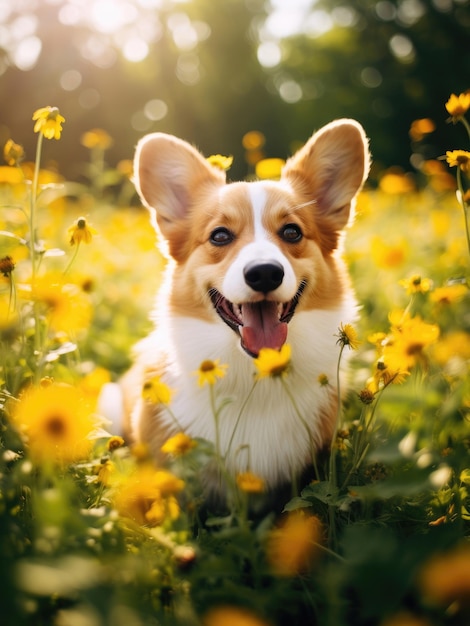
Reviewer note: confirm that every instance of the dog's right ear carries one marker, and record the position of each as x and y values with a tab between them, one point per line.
168	173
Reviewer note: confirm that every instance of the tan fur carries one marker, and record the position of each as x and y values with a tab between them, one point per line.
189	199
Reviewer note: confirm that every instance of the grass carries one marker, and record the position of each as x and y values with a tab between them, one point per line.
96	535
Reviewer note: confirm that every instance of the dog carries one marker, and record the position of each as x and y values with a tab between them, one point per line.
251	265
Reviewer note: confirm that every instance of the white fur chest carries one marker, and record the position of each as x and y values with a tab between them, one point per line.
272	425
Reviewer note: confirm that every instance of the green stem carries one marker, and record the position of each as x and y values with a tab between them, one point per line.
240	414
332	466
466	124
67	269
466	210
305	425
32	249
32	209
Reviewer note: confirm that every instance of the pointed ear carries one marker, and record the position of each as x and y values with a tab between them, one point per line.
331	168
169	173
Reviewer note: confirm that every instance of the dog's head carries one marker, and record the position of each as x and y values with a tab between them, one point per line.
253	253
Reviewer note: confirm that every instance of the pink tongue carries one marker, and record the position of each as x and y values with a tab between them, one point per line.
261	327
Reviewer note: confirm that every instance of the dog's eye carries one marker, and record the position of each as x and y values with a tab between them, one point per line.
291	233
221	236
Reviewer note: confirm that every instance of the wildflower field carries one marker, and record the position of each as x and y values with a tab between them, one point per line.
93	534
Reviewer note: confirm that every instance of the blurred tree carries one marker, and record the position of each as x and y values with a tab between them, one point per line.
192	69
387	64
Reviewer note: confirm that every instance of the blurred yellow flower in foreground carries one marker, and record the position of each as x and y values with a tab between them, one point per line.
445	579
67	307
147	496
178	444
56	423
231	616
292	548
272	362
48	122
209	371
11	175
80	231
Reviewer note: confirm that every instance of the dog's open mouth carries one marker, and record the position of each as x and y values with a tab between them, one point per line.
259	324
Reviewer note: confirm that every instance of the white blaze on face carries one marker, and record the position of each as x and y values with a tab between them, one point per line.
261	249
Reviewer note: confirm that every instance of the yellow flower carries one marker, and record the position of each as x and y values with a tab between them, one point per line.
384	375
457	106
96	138
388	255
55	422
67	307
13	153
231	616
156	391
416	284
250	483
272	362
366	395
396	182
209	371
445	579
48	122
105	472
178	445
115	442
11	175
223	163
459	158
348	336
408	340
162	509
323	380
80	231
455	345
449	294
420	128
167	483
253	140
145	489
269	169
7	265
291	549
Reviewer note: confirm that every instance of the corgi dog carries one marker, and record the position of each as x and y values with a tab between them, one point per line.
251	265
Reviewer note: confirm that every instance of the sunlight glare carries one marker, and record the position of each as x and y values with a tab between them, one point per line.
108	16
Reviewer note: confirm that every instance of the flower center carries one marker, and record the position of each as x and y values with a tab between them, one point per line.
55	426
207	366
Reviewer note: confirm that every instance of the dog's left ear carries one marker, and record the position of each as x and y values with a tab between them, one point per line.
331	168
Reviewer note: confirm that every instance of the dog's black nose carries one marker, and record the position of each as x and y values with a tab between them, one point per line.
265	276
